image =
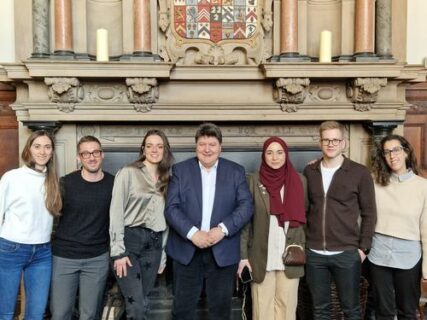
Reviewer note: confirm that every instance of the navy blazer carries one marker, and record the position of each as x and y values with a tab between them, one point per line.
233	206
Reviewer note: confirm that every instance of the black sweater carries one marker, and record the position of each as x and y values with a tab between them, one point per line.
82	231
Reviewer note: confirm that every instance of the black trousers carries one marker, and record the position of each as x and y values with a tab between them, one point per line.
145	250
396	291
188	284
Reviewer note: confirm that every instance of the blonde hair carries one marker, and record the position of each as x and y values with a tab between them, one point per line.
329	125
53	200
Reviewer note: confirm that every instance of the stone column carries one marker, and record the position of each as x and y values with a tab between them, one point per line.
289	31
142	29
364	31
63	28
40	11
383	29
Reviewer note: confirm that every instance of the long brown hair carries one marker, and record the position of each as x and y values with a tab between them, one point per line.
381	170
53	200
164	165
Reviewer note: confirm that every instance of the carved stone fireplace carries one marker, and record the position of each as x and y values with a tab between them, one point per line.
251	69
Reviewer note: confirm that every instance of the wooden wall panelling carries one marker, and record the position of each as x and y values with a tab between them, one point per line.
8	130
415	126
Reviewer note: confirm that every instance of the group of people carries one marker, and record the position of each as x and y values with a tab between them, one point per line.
213	221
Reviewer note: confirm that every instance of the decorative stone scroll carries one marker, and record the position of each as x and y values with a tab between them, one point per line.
290	92
226	32
65	92
364	92
143	93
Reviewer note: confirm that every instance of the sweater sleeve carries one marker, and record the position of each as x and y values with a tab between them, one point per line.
423	232
117	214
368	211
3	197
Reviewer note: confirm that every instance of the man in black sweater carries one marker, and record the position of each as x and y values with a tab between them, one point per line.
81	243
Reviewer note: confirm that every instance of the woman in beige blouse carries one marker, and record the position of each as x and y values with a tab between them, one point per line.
137	222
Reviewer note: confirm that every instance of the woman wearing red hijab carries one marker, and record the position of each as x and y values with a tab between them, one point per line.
278	192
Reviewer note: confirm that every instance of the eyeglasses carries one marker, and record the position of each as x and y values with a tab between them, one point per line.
395	151
87	154
327	142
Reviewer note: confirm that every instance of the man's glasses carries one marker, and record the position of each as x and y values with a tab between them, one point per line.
87	154
327	142
395	151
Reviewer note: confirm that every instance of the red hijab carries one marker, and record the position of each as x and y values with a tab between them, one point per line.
292	208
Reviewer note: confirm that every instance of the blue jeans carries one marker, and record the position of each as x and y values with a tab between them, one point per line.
145	250
34	262
344	269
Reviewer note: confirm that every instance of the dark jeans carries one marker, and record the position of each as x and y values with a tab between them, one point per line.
145	248
188	284
344	269
396	289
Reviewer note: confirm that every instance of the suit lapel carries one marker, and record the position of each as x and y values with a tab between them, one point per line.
220	181
197	180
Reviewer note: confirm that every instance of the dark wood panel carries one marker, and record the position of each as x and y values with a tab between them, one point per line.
9	143
415	126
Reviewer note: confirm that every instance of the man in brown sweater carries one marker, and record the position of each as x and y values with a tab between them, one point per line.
340	224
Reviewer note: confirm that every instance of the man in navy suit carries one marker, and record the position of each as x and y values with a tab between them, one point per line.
208	203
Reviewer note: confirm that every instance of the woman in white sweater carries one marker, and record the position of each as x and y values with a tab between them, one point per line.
29	199
400	239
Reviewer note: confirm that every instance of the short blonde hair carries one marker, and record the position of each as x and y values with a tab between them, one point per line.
329	125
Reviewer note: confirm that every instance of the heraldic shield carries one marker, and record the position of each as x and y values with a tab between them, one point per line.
216	32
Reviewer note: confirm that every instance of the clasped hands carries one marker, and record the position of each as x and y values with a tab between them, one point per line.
206	239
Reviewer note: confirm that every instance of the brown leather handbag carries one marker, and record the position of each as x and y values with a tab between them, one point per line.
294	255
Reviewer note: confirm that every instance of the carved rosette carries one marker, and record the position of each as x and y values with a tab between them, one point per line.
143	93
364	92
65	92
290	92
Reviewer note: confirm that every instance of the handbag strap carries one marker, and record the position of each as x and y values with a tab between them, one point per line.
294	245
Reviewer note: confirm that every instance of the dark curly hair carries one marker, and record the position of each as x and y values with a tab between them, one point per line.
381	170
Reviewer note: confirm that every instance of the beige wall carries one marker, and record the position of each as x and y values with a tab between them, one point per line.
416	32
7	35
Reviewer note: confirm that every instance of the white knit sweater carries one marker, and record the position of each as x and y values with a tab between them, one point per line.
23	214
402	211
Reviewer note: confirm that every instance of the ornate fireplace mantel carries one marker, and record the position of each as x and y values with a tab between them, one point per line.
158	91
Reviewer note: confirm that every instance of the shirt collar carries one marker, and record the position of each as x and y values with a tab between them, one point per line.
403	177
206	169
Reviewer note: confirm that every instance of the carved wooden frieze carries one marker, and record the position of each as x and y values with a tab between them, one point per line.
215	32
65	92
142	92
290	92
364	92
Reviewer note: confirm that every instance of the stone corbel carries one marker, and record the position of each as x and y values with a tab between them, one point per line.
65	92
290	92
143	93
363	92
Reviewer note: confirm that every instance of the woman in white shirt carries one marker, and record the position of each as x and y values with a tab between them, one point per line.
29	199
400	239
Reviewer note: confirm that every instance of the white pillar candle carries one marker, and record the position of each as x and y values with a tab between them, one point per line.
325	54
102	45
